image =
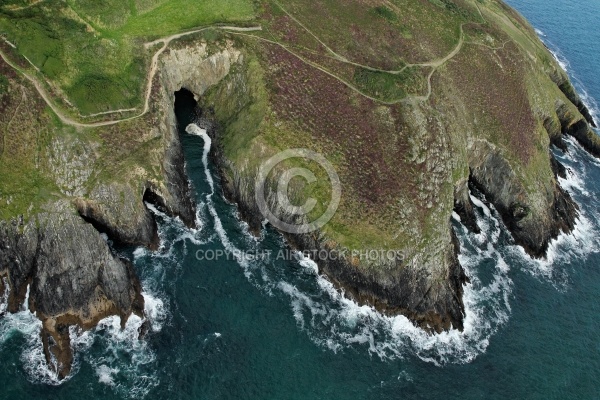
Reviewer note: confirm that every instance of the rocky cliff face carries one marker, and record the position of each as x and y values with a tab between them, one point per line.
402	184
532	225
58	256
105	208
70	276
54	260
404	165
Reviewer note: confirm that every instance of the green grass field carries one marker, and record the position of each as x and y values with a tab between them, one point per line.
180	15
93	51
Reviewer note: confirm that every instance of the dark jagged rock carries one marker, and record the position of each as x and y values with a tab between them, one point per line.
532	228
73	278
397	288
581	131
401	290
58	255
554	130
573	124
464	207
178	184
120	213
567	88
562	81
557	167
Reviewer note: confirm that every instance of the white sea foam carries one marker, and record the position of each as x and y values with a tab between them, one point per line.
481	205
405	376
558	56
455	216
25	305
578	244
123	349
562	61
155	311
4	298
573	182
126	362
336	322
27	325
106	374
589	102
194	129
584	240
184	233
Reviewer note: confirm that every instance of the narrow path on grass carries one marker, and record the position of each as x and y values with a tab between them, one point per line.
409	99
315	65
339	57
150	78
36	2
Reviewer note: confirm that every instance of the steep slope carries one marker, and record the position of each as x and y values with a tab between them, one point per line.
411	102
485	113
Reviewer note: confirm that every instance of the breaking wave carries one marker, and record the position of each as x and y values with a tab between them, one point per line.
127	364
587	99
121	358
335	322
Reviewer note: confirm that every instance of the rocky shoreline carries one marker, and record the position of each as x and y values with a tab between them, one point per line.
59	266
433	301
70	276
407	292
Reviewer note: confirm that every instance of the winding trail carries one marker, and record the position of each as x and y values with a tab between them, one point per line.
150	78
36	2
435	63
243	31
119	111
409	99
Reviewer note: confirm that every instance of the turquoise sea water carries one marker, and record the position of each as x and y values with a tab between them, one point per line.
275	330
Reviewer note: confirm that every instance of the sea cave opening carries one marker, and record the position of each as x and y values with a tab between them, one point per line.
186	108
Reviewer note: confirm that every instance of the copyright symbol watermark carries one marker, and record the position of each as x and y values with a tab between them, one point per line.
273	208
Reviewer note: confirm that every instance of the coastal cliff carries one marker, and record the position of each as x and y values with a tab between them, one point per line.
476	101
55	260
405	167
59	267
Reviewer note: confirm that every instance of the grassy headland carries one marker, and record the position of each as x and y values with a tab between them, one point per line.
92	52
386	90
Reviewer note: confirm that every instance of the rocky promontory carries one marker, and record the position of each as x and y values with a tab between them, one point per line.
411	118
60	268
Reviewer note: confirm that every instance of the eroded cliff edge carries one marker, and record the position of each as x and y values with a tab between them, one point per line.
485	115
60	268
406	166
89	187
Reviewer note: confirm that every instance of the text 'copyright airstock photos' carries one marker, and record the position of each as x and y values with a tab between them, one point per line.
272	197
